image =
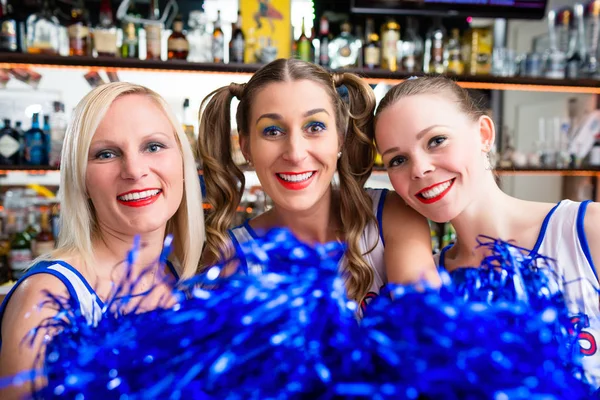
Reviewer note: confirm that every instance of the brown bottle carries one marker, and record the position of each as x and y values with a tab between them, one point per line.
177	44
79	34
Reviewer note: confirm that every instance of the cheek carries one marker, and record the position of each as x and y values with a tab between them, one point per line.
401	183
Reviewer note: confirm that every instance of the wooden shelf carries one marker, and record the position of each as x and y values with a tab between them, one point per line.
21	60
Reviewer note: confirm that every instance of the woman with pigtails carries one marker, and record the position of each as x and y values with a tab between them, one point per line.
297	132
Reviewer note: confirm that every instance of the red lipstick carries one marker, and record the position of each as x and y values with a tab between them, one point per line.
139	202
440	196
295	185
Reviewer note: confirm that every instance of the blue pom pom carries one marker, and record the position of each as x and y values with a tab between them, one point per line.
500	331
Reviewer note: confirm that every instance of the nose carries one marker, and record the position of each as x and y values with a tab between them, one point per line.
421	166
296	147
133	167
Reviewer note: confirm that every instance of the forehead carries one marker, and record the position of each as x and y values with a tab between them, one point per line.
291	97
133	114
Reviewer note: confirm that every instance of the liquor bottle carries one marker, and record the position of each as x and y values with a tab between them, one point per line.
58	128
177	44
20	256
237	45
44	241
187	121
43	31
33	228
35	143
21	132
46	129
372	48
324	42
130	48
592	29
153	33
455	63
10	40
556	59
344	49
105	34
199	38
5	275
10	145
436	37
77	29
412	48
575	56
390	35
218	41
303	45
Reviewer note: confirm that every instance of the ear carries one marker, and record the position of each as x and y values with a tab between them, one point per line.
245	146
487	133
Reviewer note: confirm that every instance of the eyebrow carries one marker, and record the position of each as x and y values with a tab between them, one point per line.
113	143
418	137
278	117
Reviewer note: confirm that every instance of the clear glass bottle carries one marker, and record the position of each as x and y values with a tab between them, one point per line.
324	42
105	34
344	49
200	40
436	38
43	31
411	52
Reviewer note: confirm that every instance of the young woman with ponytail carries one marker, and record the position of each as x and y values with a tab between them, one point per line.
297	131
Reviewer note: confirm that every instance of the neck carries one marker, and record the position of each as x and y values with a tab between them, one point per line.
317	225
489	214
111	248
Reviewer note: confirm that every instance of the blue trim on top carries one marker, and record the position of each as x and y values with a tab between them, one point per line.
250	230
85	282
172	269
581	235
384	192
538	243
238	251
542	233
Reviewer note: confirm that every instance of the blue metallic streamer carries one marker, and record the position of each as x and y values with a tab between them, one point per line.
500	331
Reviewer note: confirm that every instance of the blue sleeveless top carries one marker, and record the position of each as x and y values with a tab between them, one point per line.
81	294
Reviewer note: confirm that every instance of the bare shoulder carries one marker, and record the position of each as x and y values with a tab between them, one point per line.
591	224
398	213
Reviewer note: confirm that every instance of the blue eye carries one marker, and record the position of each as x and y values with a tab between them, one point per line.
437	141
105	155
315	127
396	161
155	147
272	131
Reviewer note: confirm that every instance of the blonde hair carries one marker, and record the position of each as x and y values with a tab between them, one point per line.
225	181
78	221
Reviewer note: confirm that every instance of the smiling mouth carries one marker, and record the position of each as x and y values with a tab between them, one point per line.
436	192
139	196
304	176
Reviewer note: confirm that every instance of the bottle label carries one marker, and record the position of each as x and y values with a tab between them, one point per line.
9	146
304	50
218	48
324	52
77	31
35	150
8	36
372	56
153	40
389	42
19	260
105	41
237	50
178	44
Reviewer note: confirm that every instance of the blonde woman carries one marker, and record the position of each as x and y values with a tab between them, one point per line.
297	132
126	169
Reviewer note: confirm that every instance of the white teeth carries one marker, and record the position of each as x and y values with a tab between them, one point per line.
139	195
296	178
436	191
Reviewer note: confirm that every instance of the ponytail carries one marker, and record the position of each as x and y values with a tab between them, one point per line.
223	178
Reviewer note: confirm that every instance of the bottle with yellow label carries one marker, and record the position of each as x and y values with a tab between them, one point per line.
390	36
